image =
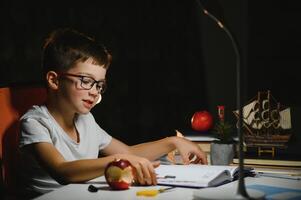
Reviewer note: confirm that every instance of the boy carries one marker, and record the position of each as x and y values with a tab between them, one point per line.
60	141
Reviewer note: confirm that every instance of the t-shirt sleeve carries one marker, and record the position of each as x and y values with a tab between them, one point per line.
33	131
105	137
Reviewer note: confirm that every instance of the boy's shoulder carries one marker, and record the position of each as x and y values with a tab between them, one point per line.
35	112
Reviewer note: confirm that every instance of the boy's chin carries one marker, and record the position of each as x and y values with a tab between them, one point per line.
83	112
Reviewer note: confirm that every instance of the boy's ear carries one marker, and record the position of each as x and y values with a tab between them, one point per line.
52	80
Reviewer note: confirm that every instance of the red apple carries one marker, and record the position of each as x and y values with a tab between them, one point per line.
202	121
119	174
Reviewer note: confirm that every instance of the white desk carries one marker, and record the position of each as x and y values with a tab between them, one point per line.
80	191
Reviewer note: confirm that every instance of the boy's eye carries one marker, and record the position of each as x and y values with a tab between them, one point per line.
99	86
87	80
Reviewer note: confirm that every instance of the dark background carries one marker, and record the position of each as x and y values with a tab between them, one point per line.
169	59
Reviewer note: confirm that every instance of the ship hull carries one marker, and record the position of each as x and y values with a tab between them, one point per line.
267	140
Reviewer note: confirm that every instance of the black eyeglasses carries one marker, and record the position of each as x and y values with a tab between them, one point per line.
87	82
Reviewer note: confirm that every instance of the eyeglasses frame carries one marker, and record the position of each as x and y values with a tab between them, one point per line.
81	78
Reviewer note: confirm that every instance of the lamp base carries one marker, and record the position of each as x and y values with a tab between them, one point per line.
226	194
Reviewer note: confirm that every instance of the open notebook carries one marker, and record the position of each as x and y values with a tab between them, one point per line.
197	175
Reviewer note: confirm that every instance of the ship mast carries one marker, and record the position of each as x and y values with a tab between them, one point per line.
269	113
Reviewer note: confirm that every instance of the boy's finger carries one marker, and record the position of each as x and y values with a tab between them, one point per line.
153	173
139	175
156	163
185	159
146	174
196	160
192	157
203	157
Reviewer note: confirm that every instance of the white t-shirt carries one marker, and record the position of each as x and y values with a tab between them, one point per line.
37	125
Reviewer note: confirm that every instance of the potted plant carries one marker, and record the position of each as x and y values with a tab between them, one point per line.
223	132
222	149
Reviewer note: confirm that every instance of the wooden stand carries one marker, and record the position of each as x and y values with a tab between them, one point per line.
261	150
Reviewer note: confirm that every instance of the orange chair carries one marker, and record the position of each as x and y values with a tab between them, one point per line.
14	102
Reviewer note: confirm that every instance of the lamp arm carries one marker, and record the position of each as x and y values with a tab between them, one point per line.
241	190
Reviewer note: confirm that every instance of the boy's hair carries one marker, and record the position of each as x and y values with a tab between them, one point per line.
65	47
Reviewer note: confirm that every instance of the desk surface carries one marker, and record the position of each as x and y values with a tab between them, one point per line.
289	188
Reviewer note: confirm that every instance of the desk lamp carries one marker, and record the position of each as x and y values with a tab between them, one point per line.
242	192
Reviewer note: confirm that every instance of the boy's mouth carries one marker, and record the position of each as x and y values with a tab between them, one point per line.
88	103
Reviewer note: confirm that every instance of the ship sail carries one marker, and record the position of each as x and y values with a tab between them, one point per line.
265	122
249	115
251	118
285	118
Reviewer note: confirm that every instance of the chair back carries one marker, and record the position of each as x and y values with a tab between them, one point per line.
14	102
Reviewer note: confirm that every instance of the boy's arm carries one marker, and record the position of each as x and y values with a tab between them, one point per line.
115	147
156	149
83	170
67	171
149	150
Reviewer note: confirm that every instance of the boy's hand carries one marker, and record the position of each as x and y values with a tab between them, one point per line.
144	169
190	152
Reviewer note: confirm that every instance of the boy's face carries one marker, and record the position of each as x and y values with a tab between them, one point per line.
75	84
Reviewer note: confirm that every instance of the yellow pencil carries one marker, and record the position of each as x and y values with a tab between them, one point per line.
152	192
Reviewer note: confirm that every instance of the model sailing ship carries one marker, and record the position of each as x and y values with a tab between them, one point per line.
266	123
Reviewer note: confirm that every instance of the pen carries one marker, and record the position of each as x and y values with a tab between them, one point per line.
152	192
167	176
279	176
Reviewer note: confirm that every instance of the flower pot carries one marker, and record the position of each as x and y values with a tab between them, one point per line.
221	154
